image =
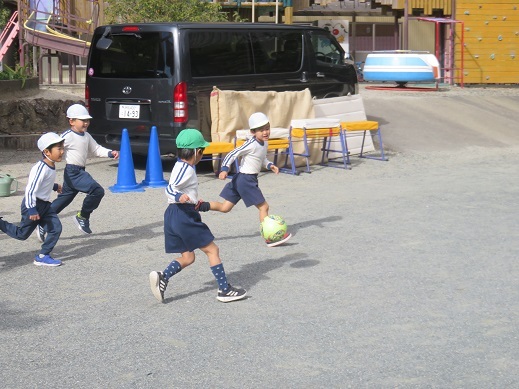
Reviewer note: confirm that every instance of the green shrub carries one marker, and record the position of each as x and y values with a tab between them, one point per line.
18	73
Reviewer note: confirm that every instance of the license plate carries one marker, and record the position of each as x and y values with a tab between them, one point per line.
129	111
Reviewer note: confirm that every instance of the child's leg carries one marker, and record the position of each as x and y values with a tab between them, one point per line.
224	207
226	292
20	232
25	227
159	281
67	195
178	264
213	255
263	210
95	192
52	226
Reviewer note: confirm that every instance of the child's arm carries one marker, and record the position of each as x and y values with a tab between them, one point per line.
179	197
203	206
33	184
184	198
96	149
270	166
244	149
181	178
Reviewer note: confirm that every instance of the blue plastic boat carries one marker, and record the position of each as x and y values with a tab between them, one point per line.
401	67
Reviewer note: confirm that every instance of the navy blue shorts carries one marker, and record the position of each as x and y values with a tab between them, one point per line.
243	187
184	229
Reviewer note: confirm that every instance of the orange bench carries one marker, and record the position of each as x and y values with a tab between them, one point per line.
216	152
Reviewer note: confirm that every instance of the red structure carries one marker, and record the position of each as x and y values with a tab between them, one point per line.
444	53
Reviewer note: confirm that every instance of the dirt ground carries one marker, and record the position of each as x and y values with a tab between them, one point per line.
399	274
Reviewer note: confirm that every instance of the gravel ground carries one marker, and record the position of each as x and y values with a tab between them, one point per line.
399	274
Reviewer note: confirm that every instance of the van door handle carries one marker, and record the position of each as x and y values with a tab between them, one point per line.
319	74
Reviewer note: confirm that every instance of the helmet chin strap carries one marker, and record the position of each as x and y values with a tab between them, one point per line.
50	159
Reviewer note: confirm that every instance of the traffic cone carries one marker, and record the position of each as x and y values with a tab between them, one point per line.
154	176
126	172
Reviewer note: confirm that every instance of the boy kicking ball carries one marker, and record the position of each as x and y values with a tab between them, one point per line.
244	185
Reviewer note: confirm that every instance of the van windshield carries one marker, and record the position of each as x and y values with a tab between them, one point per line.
326	50
136	55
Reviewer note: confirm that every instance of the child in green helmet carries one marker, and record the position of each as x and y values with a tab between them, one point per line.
184	230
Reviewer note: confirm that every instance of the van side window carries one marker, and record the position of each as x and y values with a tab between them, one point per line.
326	51
136	55
220	53
277	51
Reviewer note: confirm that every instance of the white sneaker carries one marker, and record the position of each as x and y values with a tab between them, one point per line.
40	234
286	237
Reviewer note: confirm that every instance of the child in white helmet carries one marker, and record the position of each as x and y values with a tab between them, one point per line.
79	145
36	205
184	231
244	185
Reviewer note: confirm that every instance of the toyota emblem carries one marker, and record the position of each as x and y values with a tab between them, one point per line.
127	90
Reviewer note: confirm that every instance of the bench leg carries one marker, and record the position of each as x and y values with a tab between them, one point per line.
327	148
382	156
290	156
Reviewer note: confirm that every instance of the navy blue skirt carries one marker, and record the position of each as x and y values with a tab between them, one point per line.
184	229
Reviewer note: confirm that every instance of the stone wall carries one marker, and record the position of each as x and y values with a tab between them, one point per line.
22	121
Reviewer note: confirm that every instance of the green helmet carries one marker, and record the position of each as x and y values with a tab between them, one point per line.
191	139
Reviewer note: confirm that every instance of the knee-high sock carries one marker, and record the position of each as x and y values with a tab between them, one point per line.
219	274
172	269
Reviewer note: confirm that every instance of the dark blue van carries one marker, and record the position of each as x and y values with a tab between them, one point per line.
162	74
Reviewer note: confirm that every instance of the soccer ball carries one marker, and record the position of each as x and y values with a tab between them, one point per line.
273	228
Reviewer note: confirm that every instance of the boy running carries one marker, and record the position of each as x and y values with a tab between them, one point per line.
36	205
79	144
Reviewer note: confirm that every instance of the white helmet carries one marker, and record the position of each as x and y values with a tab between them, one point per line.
47	139
78	111
257	120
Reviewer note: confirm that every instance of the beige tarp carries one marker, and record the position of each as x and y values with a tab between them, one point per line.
230	111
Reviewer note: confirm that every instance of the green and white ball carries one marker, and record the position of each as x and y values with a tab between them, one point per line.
273	228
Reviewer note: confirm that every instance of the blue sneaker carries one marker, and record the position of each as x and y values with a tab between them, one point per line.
47	260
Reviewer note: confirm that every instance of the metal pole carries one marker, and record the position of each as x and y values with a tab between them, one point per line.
405	42
277	11
253	13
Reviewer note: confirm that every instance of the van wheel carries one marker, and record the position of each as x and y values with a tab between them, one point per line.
351	89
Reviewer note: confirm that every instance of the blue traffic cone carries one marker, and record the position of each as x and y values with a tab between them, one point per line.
126	181
154	176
